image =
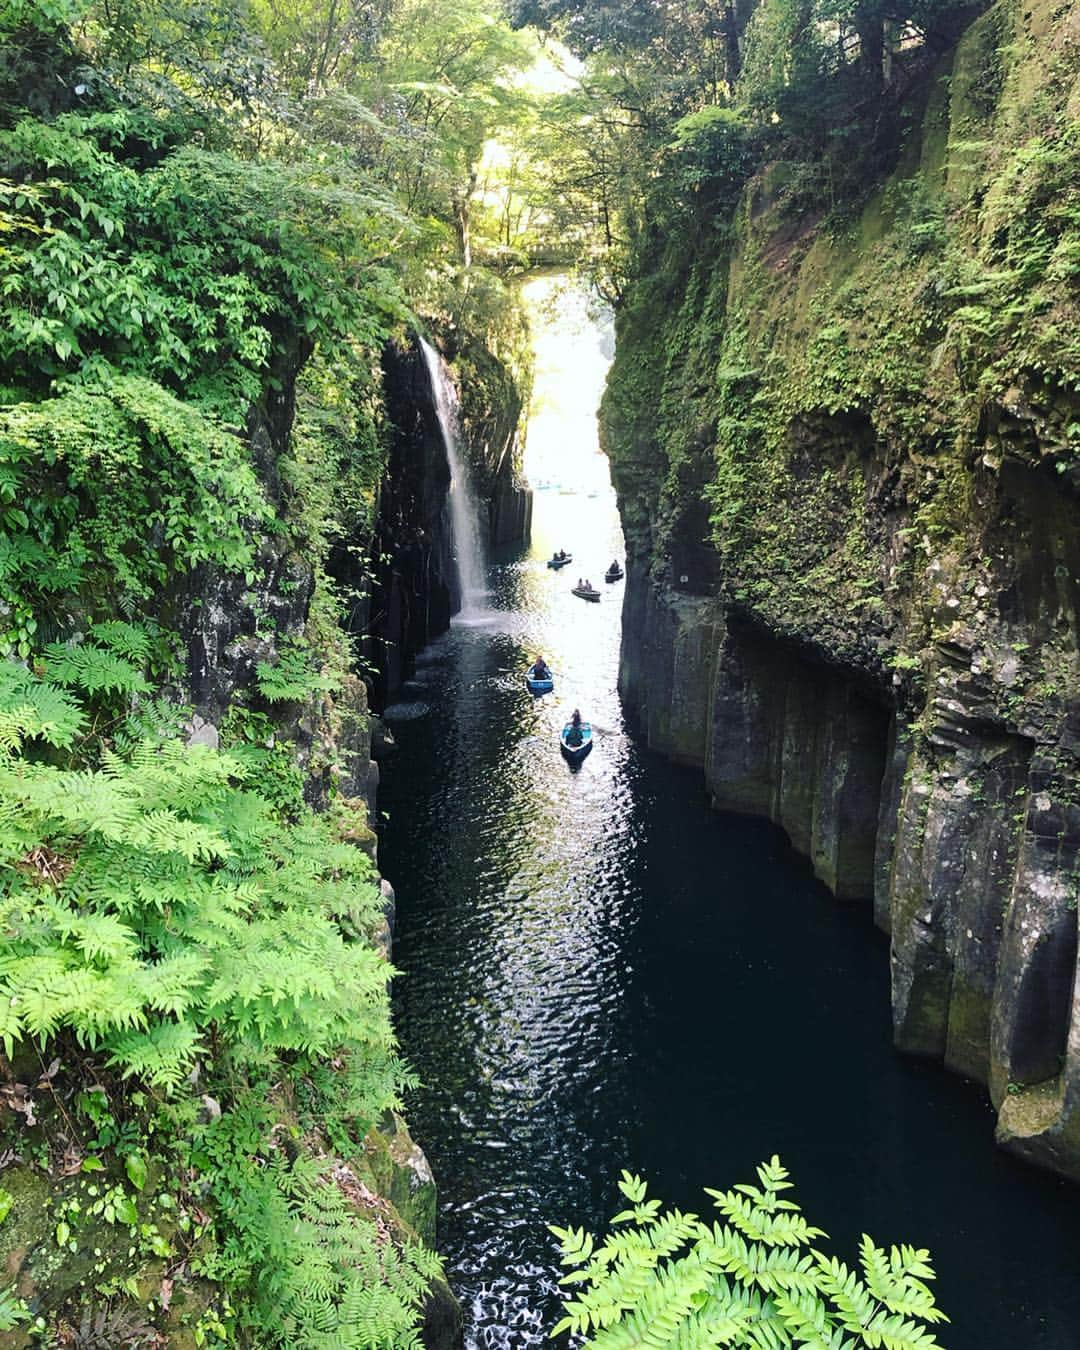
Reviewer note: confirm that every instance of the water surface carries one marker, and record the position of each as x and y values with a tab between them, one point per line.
602	972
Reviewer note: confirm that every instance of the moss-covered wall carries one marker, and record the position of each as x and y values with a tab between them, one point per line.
847	450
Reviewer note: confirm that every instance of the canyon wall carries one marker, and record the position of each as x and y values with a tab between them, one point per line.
848	463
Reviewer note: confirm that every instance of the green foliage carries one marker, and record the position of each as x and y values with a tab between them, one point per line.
32	708
751	1278
290	678
713	156
450	66
198	204
154	899
268	762
121	486
190	272
307	1244
158	912
13	1309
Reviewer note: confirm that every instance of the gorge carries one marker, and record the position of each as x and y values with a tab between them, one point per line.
307	315
600	967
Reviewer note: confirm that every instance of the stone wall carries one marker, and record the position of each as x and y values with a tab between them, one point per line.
853	544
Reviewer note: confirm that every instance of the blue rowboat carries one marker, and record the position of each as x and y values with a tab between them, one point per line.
556	563
576	753
536	686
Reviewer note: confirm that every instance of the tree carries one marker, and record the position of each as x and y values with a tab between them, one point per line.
321	44
446	75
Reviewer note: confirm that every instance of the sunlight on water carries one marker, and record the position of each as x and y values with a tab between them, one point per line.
573	347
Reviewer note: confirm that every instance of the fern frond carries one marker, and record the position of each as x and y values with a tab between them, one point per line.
92	669
163	1054
128	640
32	709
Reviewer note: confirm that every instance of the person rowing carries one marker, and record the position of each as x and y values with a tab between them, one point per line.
540	670
575	733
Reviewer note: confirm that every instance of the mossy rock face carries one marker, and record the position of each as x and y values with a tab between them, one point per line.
399	1171
851	440
46	1274
102	1265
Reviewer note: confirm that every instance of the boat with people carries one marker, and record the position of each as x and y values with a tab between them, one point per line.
586	591
539	679
614	573
576	739
560	559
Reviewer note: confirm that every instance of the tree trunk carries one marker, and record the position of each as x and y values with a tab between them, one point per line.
462	221
732	55
870	27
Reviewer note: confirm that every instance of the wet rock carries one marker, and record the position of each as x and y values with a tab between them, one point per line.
389	904
202	733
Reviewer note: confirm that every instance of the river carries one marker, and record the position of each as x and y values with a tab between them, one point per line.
600	971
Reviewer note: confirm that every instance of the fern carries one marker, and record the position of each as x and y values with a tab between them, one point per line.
154	896
128	640
319	1272
667	1279
290	678
157	912
93	669
31	709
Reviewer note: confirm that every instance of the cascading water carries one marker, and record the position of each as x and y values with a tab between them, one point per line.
465	517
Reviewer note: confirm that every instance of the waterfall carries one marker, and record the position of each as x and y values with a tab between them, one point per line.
465	517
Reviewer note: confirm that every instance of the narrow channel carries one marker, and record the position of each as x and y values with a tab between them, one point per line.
600	971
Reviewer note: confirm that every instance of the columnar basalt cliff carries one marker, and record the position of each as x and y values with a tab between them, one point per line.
848	463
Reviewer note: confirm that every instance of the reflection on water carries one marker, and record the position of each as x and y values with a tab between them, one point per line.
600	971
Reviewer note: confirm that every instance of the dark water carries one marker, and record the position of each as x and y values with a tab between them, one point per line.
601	972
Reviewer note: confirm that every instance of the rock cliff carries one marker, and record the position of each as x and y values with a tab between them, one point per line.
848	461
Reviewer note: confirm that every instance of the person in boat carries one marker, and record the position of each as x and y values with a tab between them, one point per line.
540	669
580	584
614	566
561	555
575	735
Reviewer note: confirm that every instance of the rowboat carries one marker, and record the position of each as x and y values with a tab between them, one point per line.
586	593
576	753
613	574
556	563
536	686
